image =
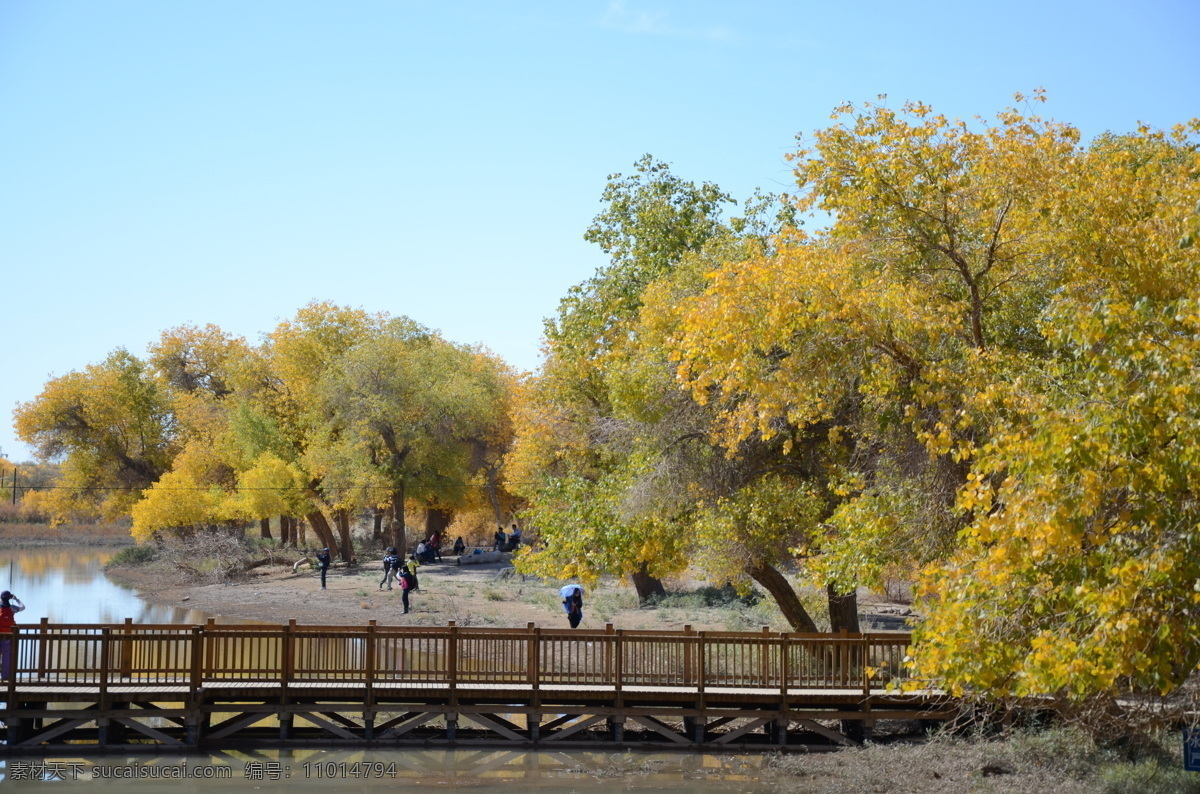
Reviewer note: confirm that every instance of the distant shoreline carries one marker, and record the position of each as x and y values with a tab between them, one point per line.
32	536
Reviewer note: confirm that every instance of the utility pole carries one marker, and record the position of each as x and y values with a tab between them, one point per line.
14	493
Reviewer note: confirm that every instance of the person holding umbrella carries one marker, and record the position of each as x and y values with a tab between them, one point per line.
572	596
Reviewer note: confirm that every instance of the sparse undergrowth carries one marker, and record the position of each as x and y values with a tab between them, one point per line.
1059	760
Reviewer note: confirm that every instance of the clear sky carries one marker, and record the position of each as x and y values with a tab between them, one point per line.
227	161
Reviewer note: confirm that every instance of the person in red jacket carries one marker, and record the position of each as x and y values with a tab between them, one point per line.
9	606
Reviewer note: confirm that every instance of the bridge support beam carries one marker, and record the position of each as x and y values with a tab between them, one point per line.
616	729
694	728
781	731
285	725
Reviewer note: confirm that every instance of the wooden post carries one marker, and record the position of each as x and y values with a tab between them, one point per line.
14	637
287	660
619	664
369	672
764	664
688	657
105	640
866	674
103	721
452	674
43	646
844	657
784	649
195	675
452	664
210	645
368	714
127	650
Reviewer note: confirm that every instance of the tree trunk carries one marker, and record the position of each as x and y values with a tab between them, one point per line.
299	533
264	528
492	495
284	532
646	585
346	547
398	539
843	610
321	527
781	590
437	520
377	531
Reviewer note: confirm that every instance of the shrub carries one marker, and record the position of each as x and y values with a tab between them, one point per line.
134	555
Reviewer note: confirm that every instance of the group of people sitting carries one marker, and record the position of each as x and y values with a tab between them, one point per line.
502	542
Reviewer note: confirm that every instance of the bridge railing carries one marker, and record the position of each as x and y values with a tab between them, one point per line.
131	654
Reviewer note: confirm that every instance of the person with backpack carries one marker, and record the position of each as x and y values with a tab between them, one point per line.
407	580
391	567
9	606
411	567
323	562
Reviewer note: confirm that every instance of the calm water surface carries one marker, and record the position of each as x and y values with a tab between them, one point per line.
375	770
68	585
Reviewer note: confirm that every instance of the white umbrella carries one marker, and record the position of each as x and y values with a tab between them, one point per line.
569	590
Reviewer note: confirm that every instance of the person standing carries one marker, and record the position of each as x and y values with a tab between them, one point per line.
323	562
9	606
406	586
391	567
412	566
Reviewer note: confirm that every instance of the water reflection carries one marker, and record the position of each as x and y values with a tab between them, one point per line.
479	770
68	585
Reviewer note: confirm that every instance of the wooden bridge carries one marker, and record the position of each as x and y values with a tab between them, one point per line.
132	686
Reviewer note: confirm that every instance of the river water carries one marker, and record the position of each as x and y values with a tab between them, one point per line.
68	585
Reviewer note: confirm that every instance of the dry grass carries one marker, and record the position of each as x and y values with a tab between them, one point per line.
1059	760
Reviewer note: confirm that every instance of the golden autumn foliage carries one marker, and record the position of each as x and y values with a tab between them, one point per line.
210	431
997	327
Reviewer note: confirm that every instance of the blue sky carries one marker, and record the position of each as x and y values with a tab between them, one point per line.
187	162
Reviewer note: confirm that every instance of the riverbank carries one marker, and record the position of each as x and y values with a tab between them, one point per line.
24	535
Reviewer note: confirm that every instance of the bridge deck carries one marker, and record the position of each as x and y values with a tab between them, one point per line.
142	686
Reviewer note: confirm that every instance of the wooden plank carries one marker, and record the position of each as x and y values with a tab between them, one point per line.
828	733
659	727
572	729
752	725
153	733
54	731
231	726
493	725
399	730
326	725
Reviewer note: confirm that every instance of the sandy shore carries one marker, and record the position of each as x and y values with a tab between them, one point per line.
490	594
473	595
